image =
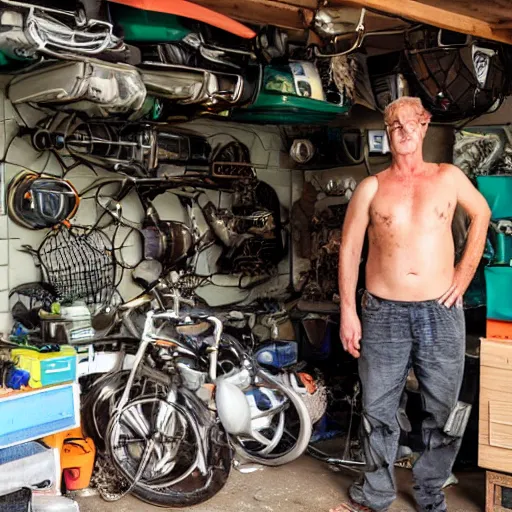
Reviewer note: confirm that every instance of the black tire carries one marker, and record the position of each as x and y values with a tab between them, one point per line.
219	457
96	410
220	464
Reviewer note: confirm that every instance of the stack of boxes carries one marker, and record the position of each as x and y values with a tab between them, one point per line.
49	405
498	275
46	410
495	420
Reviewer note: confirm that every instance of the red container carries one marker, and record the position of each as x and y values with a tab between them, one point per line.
498	329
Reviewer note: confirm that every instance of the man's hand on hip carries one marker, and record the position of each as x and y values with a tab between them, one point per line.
350	331
460	283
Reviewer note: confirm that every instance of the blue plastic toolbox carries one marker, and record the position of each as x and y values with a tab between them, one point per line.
35	414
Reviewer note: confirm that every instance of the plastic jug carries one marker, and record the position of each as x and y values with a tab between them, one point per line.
279	354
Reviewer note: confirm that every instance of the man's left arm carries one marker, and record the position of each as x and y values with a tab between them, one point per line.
479	212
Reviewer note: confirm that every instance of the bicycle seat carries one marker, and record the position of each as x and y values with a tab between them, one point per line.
136	302
193	329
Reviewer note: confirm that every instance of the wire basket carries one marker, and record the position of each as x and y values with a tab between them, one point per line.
79	263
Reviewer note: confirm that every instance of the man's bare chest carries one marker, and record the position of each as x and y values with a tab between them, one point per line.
422	206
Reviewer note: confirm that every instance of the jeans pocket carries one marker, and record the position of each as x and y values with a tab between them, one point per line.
456	310
370	304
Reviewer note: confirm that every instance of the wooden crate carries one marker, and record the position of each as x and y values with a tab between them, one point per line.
495	421
495	484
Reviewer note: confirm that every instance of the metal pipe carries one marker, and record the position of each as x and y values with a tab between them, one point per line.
214	351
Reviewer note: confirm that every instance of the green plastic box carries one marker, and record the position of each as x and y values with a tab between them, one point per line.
497	190
498	285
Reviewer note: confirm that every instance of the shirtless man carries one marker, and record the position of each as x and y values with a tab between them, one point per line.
412	306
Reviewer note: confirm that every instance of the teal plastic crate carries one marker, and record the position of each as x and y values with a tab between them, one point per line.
497	190
498	285
503	249
35	414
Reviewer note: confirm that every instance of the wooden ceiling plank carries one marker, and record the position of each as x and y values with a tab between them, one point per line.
504	25
262	12
307	4
495	10
436	16
491	11
503	4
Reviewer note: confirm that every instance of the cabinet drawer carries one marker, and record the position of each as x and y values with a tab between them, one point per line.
58	370
500	424
495	421
496	353
35	414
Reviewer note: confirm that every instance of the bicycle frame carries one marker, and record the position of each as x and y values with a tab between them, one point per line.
149	336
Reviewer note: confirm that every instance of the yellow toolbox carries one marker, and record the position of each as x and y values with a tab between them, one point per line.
47	368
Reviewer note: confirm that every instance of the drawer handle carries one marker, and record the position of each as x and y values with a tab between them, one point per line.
59	370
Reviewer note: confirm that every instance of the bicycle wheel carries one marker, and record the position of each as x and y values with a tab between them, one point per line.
101	400
171	454
153	442
195	489
281	431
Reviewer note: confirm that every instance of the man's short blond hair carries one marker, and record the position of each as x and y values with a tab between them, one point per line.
406	101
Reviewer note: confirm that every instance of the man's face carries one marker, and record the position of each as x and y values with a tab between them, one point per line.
406	131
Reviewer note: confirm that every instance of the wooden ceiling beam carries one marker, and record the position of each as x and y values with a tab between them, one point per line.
504	25
308	4
291	14
436	16
489	10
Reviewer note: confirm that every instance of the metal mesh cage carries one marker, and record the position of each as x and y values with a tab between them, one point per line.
79	264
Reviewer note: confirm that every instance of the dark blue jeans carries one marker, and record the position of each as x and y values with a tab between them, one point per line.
398	335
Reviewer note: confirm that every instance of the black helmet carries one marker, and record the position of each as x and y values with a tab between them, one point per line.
38	201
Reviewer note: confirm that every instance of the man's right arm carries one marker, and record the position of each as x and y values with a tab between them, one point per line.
357	219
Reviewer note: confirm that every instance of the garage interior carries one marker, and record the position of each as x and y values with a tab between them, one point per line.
174	178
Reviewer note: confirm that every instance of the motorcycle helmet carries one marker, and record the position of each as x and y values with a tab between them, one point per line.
169	242
38	201
455	77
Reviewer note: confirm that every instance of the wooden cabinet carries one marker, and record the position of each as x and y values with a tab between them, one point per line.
495	422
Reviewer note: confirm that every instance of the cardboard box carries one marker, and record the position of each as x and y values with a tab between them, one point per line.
495	421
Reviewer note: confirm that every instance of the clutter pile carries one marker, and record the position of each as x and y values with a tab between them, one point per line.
185	312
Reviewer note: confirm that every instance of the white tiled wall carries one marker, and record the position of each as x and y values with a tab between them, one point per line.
17	267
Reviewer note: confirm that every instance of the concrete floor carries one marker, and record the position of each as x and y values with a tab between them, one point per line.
306	485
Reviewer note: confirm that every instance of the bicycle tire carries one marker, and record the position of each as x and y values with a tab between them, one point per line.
302	439
220	458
